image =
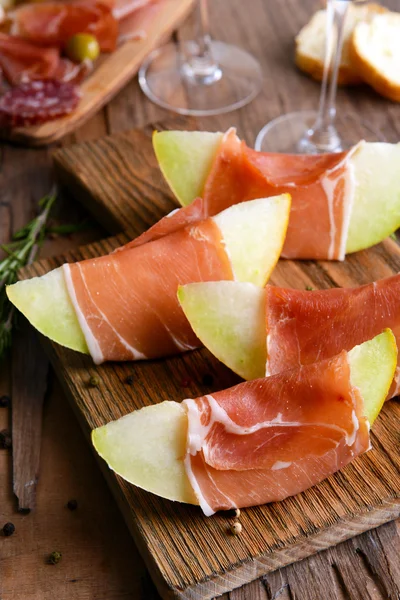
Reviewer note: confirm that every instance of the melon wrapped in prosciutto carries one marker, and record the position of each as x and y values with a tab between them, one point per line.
341	202
259	441
124	306
277	328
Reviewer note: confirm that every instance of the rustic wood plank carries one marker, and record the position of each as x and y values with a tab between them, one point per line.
111	73
29	381
131	190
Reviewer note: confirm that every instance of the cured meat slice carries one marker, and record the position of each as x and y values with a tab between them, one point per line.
53	23
124	8
135	25
22	61
175	220
267	439
37	102
69	71
321	186
304	327
122	297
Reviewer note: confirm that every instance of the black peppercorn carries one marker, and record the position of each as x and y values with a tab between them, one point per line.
54	558
72	504
5	401
8	529
5	440
129	380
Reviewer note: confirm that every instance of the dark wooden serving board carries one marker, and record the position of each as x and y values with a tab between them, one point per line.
188	555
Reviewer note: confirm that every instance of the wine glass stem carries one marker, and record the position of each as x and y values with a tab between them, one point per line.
323	133
200	66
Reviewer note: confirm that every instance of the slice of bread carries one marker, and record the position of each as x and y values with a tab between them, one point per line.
375	53
310	43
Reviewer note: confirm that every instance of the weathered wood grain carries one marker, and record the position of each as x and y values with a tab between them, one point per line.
29	381
110	75
99	561
130	190
190	556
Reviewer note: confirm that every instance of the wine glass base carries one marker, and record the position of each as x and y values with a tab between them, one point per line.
288	134
171	82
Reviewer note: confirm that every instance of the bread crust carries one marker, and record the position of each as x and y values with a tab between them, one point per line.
348	74
315	68
370	73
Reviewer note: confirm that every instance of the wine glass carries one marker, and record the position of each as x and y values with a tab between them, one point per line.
310	132
200	77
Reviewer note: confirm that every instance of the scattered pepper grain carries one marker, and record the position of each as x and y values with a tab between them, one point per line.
236	528
5	440
94	381
5	401
72	504
8	529
129	380
54	558
233	513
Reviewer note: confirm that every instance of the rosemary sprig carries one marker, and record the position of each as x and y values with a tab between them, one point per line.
21	251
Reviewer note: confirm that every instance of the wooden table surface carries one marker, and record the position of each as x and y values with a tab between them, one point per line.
100	561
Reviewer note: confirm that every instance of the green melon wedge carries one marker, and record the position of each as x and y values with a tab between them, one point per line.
376	206
229	319
253	234
376	209
147	446
46	304
185	159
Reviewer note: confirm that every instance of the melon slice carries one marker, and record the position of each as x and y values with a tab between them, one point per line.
229	319
46	304
253	232
147	446
376	207
185	159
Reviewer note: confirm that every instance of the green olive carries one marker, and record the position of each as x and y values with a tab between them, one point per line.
82	46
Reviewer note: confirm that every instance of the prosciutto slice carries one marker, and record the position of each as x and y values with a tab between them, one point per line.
304	327
21	61
53	23
135	25
127	303
321	186
175	220
264	440
124	8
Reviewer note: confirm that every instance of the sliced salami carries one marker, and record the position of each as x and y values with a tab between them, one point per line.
37	102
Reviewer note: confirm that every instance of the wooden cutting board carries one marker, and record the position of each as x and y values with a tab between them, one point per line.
111	73
188	555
